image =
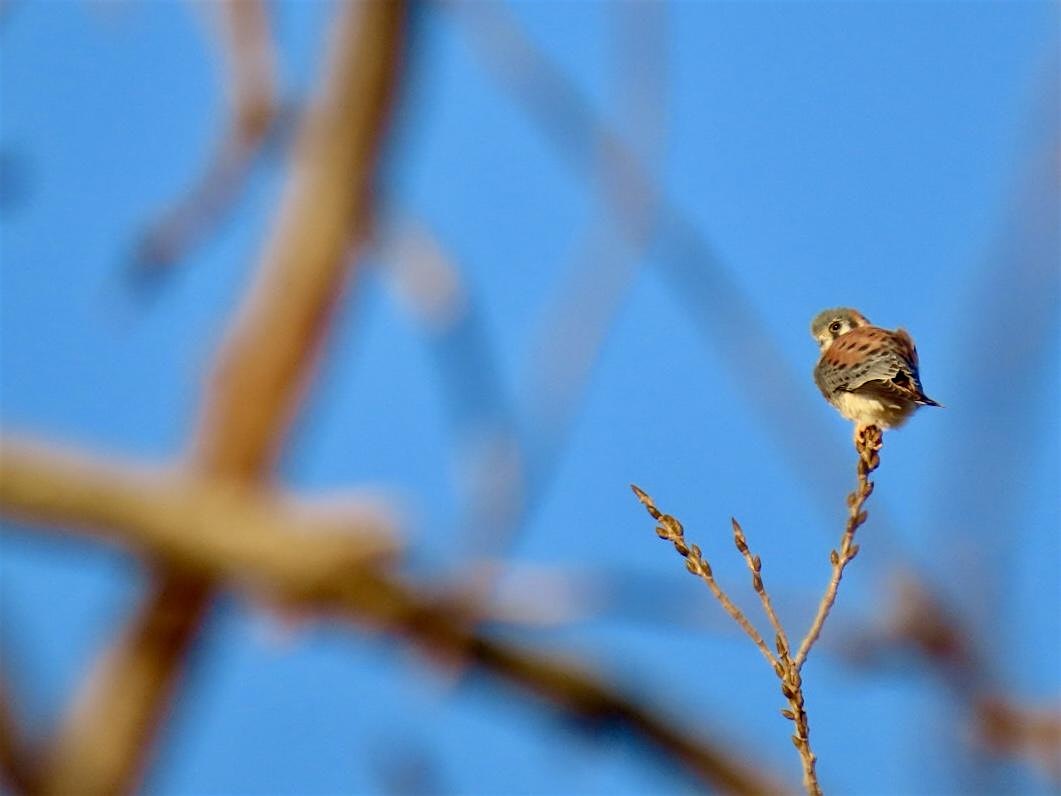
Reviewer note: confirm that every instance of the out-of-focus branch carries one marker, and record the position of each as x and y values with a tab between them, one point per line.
1032	734
253	114
16	768
221	530
575	326
700	280
262	369
493	460
325	578
325	211
252	65
923	624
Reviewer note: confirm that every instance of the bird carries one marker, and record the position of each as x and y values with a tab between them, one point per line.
868	373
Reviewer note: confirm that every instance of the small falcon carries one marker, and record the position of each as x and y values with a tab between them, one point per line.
869	374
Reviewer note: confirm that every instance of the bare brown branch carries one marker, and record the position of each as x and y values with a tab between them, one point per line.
324	212
17	771
221	530
1031	733
263	367
325	582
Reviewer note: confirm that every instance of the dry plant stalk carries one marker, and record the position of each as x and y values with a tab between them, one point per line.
868	442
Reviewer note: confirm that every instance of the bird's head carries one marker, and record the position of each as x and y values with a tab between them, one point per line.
830	324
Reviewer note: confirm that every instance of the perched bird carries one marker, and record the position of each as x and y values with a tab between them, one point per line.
869	374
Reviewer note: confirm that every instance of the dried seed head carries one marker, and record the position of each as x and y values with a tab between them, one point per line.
788	714
646	501
757	563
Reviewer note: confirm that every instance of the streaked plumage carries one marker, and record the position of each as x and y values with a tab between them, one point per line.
869	374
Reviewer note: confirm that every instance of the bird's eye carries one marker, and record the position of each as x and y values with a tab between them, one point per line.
834	326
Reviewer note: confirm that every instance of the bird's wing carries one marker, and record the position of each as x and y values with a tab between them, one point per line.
872	360
900	387
906	346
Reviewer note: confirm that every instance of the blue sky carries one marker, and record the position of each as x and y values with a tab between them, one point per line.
884	155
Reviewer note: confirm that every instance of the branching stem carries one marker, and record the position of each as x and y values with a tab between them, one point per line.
868	442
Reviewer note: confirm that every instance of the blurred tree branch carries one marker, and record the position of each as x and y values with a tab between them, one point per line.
260	374
645	215
214	529
328	576
254	114
16	767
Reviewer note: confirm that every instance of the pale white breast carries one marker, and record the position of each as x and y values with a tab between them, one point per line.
868	410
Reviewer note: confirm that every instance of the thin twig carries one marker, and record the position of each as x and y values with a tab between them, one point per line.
755	567
868	442
787	673
786	670
671	529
